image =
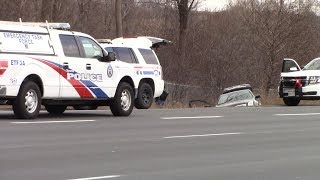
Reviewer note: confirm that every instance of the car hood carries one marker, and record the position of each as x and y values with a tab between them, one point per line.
301	73
240	103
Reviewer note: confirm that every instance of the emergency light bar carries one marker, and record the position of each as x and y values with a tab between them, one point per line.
61	26
108	41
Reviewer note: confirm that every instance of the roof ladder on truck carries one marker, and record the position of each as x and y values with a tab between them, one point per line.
48	26
58	26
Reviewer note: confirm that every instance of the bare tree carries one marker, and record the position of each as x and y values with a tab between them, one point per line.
273	26
184	8
107	18
47	10
118	15
84	7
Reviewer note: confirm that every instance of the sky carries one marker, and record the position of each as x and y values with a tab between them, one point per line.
214	4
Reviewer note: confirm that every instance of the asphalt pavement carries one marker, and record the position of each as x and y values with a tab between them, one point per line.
260	143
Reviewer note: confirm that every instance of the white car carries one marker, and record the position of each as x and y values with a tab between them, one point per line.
238	96
138	56
298	83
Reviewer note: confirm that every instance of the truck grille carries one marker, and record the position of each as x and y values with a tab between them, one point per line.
290	82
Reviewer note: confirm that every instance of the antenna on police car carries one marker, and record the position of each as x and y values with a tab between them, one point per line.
20	21
47	24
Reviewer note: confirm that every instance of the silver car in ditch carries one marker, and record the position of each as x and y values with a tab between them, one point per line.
237	96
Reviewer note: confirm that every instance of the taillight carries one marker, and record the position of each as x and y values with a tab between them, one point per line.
3	67
298	83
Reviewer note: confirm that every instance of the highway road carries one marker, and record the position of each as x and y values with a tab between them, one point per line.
264	143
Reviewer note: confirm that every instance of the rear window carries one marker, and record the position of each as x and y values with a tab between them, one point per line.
69	45
149	56
124	54
109	49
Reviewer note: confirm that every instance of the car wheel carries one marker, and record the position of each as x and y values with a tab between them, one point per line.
144	97
122	103
55	109
291	101
28	101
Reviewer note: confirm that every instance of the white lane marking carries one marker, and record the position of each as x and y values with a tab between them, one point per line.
50	122
194	117
302	114
203	135
100	177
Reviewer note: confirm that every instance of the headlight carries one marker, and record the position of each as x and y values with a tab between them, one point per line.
314	79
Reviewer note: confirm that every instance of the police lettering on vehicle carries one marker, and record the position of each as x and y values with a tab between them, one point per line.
25	39
17	63
83	76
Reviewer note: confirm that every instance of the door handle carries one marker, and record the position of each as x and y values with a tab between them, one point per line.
88	66
65	65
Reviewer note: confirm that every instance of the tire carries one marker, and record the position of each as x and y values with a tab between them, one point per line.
144	97
84	107
28	101
54	109
122	103
291	101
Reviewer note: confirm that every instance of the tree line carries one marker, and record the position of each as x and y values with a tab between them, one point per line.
244	43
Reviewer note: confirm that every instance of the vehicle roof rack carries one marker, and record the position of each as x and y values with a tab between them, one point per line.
60	26
237	88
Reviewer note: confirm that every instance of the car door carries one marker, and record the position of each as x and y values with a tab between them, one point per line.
142	41
73	69
102	77
290	65
290	84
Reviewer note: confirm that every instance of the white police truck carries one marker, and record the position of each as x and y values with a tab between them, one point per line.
46	64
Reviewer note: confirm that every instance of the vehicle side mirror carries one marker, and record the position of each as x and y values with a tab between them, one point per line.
293	69
111	56
257	97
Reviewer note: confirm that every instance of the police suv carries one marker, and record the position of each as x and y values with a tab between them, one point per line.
137	55
299	83
46	64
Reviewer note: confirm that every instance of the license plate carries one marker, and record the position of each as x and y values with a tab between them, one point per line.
291	93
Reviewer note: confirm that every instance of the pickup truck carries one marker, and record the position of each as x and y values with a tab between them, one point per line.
47	64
